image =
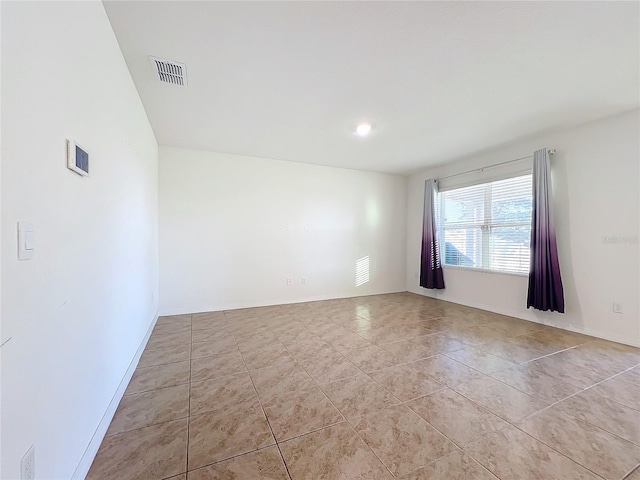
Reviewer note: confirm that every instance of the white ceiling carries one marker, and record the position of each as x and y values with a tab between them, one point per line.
438	80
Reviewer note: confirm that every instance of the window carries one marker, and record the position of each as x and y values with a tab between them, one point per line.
487	226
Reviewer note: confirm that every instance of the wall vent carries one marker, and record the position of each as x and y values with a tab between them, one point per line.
170	72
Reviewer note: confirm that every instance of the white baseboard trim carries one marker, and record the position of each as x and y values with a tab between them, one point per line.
266	303
531	318
92	449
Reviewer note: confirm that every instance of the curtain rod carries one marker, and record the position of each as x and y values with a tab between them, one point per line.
481	169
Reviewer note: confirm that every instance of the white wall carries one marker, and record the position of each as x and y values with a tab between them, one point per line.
233	228
77	312
596	183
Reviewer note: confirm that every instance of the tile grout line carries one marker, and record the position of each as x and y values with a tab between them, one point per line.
513	424
345	418
286	467
636	469
338	410
368	375
482	373
186	473
556	450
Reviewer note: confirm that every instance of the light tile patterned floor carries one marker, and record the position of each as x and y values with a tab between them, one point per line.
379	387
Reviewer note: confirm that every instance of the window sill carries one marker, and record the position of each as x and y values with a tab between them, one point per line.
484	270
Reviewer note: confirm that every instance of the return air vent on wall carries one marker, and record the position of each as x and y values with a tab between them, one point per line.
170	72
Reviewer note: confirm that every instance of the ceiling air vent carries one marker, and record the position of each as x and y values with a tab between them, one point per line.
170	72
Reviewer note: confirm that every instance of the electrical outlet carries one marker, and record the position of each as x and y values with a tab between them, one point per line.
303	281
288	282
617	307
28	465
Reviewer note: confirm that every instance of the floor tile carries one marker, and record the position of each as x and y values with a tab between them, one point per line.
457	417
537	346
599	451
380	334
479	360
265	464
222	394
251	343
439	343
158	376
401	439
405	383
534	382
605	351
301	345
161	356
479	334
358	396
314	351
167	328
296	413
207	320
372	358
349	341
456	466
631	376
266	355
634	475
161	341
422	379
149	408
409	350
604	413
218	335
334	453
281	378
218	346
512	326
625	393
500	399
206	368
445	370
174	319
559	339
149	453
330	368
577	368
414	330
515	352
512	454
214	436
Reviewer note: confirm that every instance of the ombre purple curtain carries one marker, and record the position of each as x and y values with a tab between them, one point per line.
430	267
545	282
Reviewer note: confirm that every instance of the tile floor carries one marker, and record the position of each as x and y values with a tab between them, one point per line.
380	387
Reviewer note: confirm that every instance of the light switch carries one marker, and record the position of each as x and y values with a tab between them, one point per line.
29	240
26	240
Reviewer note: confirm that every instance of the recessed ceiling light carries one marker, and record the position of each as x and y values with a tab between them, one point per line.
363	129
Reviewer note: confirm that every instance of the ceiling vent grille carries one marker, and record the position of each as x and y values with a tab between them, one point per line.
170	72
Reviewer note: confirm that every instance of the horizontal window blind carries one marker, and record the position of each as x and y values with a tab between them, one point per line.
488	225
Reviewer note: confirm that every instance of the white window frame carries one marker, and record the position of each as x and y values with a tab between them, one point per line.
485	228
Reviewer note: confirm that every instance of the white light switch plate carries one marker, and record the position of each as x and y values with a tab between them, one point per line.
26	240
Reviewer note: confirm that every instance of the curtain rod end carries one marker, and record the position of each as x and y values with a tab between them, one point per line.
552	151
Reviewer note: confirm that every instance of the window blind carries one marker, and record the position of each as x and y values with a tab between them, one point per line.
487	226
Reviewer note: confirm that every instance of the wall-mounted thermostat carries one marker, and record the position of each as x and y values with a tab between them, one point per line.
77	158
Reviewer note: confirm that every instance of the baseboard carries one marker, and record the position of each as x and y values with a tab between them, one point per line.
532	318
267	303
92	449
